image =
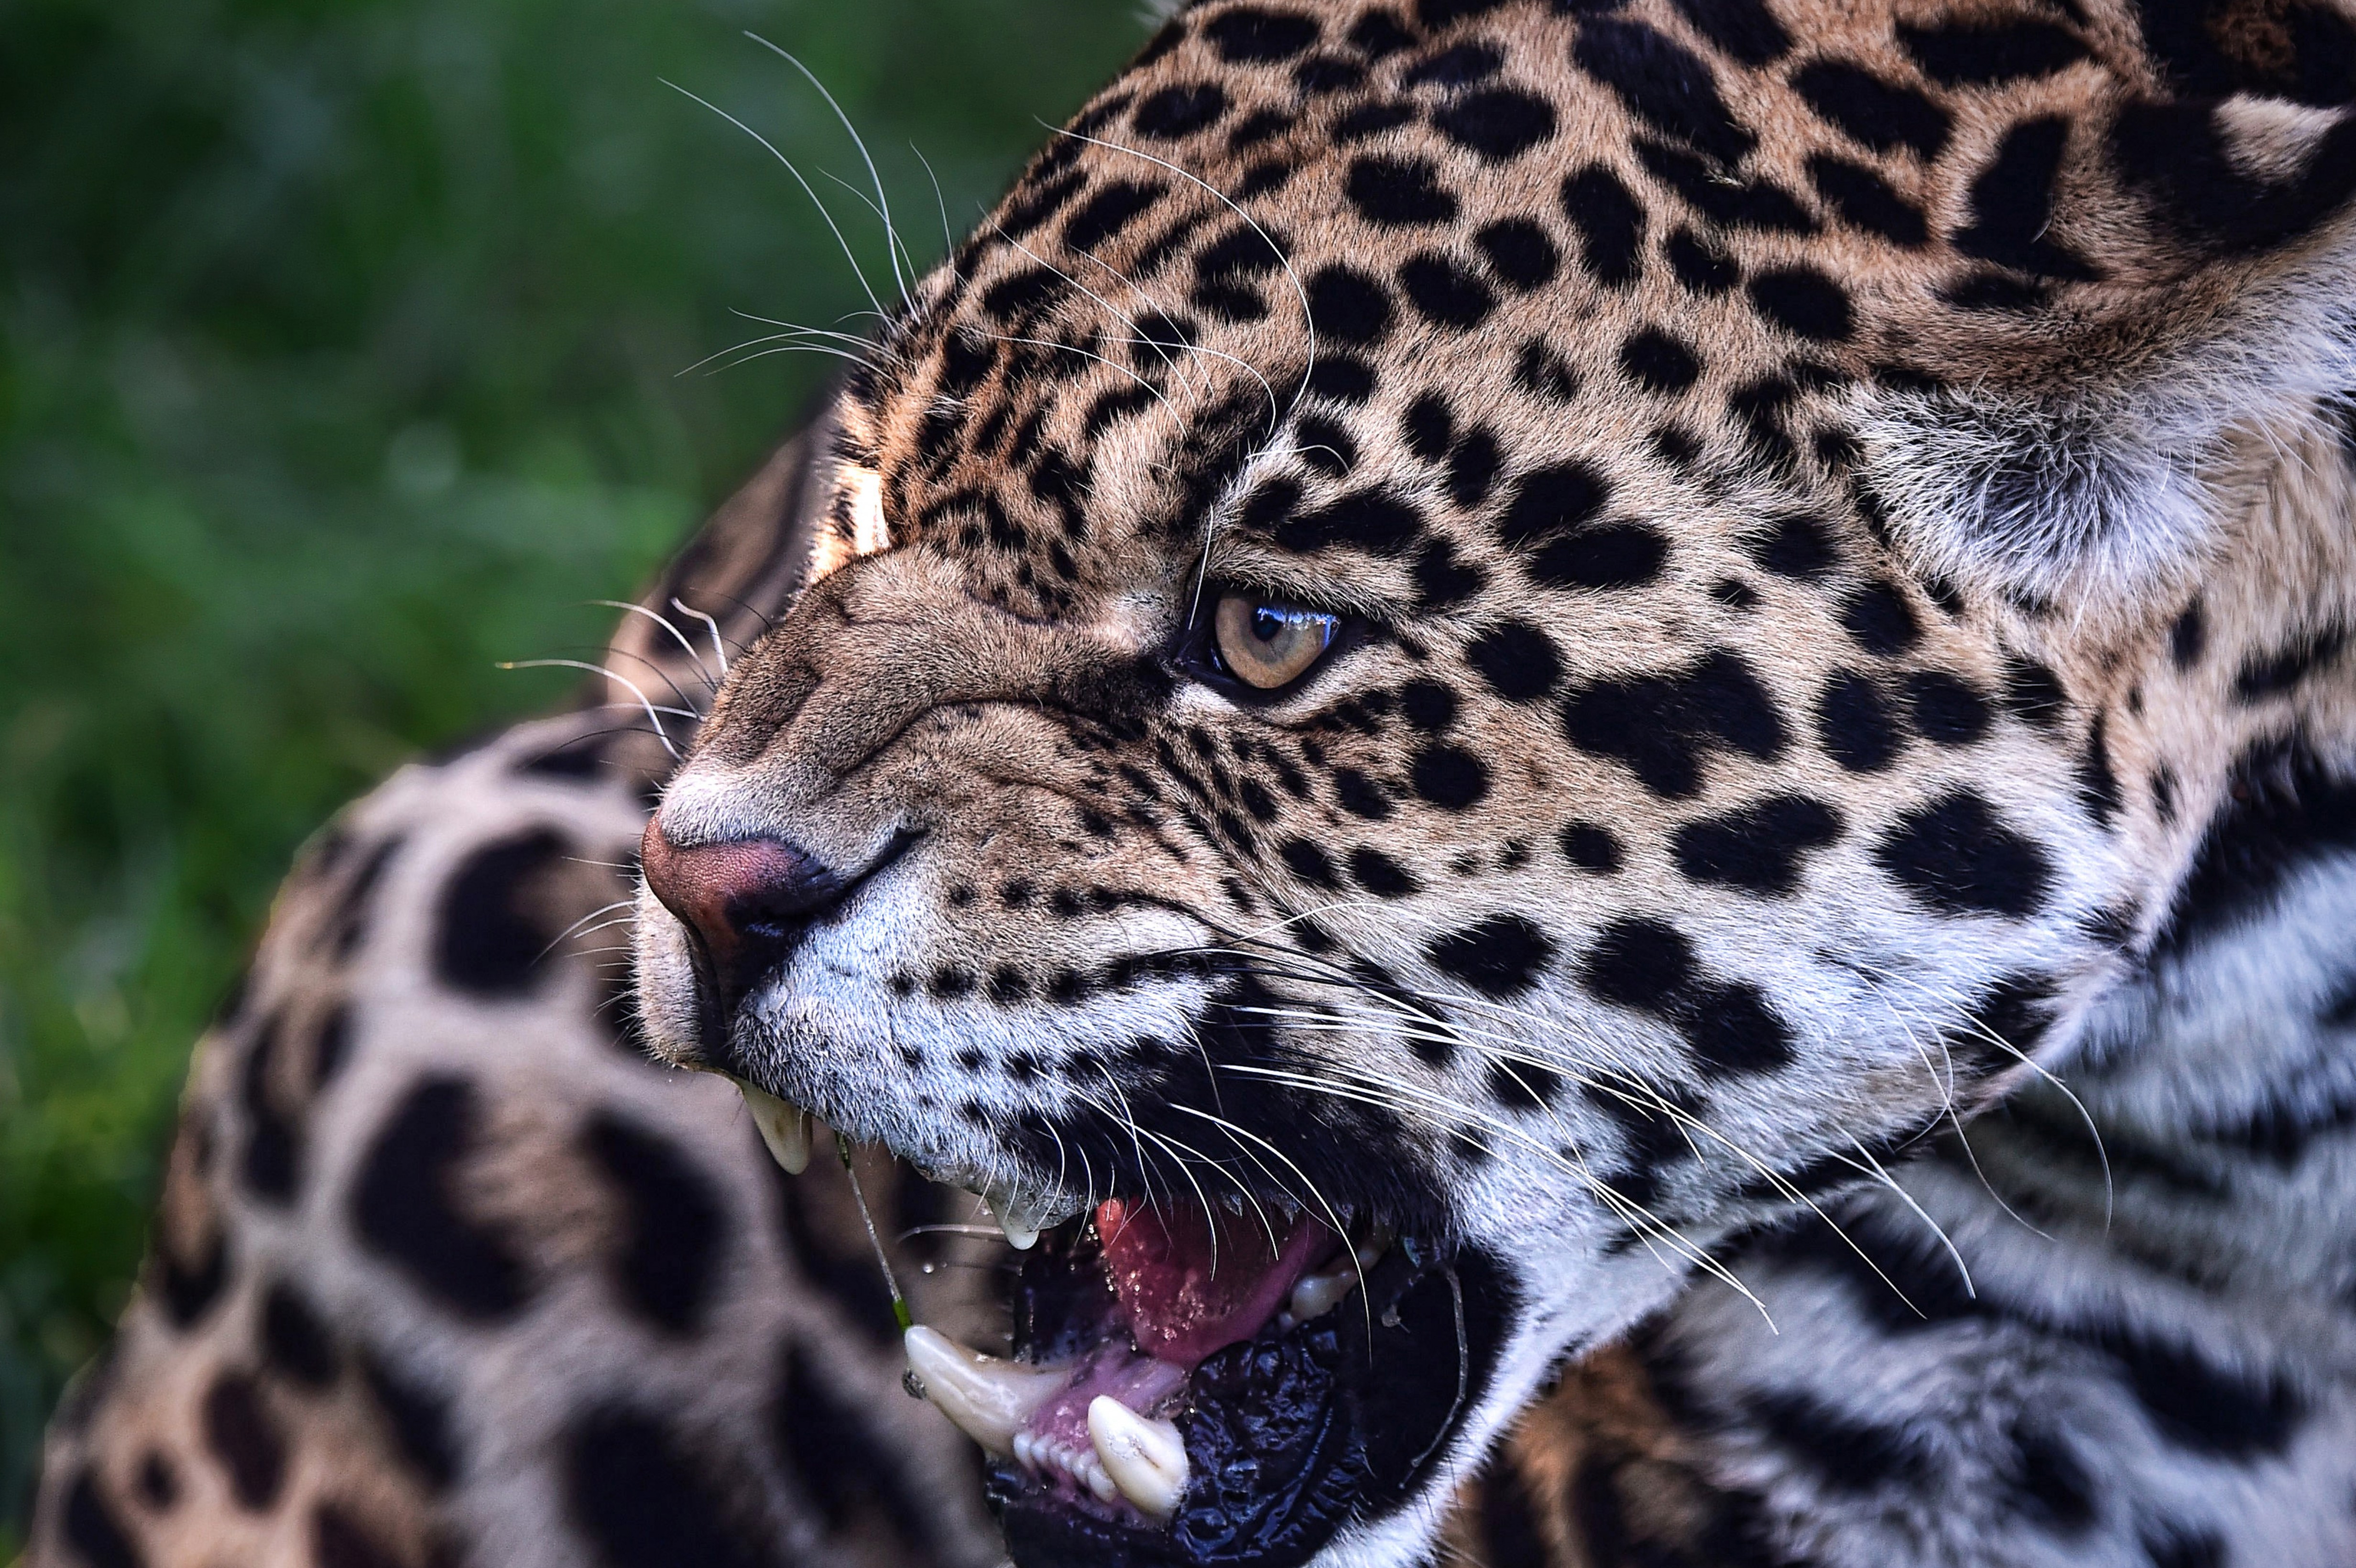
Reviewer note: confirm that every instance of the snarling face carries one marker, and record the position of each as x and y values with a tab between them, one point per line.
1465	648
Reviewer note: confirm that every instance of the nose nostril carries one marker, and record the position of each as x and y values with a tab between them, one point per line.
747	901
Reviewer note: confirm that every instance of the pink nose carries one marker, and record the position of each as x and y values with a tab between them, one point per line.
747	901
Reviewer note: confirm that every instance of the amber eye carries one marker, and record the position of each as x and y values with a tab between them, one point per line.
1265	644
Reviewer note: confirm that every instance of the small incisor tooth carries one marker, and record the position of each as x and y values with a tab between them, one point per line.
784	1128
1146	1459
986	1398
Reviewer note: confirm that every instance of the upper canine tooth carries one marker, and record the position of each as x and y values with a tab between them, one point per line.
1020	1219
784	1128
988	1399
1146	1459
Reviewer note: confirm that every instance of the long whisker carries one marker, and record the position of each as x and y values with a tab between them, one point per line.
807	190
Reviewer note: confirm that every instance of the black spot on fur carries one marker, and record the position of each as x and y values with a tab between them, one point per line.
828	1442
489	936
1864	201
1745	29
1518	251
1520	662
1945	708
1854	724
1510	1533
1611	224
1658	361
647	1500
1850	1454
1874	112
1018	298
1880	620
2196	1404
1699	265
246	1438
1446	293
1451	779
1176	111
295	1343
2098	786
1348	306
1663	83
1251	35
2264	675
674	1226
1499	957
2048	1484
1114	207
2032	694
1498	124
1399	192
1427	705
1801	547
2012	205
93	1528
404	1205
1379	874
338	1540
1309	862
1374	521
1959	857
2187	636
274	1140
1459	67
1979	52
1756	203
1659	725
1641	964
189	1290
1590	848
1758	847
1805	302
419	1420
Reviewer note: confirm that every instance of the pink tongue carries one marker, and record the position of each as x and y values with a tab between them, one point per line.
1191	1283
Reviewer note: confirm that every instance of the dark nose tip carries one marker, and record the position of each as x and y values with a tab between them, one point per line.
748	900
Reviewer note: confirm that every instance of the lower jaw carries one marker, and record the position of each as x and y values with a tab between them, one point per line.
1288	1435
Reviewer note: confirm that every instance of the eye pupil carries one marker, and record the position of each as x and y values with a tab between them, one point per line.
1268	623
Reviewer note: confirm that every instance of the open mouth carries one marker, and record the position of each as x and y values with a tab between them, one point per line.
1196	1383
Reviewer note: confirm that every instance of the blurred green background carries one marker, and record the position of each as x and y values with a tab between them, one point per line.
341	344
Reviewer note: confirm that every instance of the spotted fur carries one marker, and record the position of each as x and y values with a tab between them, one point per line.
1843	515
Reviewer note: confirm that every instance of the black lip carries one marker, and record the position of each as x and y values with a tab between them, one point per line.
1289	1436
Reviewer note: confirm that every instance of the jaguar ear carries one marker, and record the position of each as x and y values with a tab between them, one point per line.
2173	296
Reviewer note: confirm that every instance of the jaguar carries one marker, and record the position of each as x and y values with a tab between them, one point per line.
1543	781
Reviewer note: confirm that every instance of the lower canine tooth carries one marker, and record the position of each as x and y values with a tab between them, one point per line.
1318	1294
986	1398
1145	1459
784	1128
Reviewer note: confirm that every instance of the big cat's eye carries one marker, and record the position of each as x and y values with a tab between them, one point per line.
1267	643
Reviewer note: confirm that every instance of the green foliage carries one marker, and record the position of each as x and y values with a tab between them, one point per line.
339	354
